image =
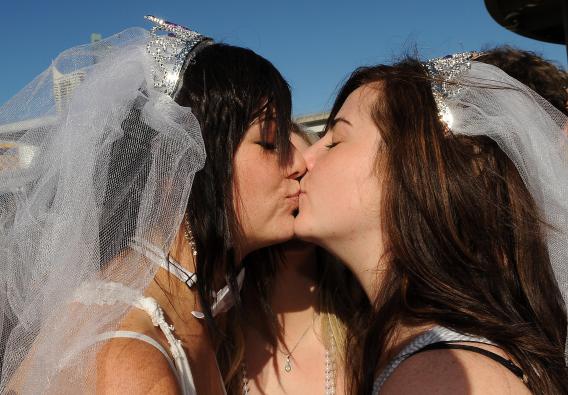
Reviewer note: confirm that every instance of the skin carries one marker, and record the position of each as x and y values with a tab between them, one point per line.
339	210
121	360
295	312
266	195
268	200
340	189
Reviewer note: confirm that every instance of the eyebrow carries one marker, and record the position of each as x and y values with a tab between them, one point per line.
332	124
336	120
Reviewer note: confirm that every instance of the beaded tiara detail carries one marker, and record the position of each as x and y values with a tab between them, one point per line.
172	51
444	71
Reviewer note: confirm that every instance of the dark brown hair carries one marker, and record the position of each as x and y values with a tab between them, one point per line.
228	88
543	76
464	244
339	297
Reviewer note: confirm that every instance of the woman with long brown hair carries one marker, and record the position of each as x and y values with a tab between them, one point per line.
452	215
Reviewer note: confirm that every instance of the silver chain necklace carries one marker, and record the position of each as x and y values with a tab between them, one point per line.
329	367
288	355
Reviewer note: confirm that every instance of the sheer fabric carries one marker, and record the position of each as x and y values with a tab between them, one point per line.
532	133
91	157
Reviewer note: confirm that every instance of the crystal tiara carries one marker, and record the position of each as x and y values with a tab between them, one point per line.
172	52
444	71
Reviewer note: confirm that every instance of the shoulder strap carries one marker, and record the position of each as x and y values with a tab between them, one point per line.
164	260
142	337
448	345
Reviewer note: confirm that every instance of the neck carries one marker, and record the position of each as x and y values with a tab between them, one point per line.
361	253
295	285
294	294
176	299
298	346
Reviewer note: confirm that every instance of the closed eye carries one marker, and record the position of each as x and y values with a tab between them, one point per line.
266	145
330	146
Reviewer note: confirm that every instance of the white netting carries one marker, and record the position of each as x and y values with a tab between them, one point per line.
533	135
90	156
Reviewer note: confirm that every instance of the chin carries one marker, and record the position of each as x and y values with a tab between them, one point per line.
286	232
303	229
280	233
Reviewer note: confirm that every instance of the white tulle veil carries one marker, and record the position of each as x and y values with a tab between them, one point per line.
91	157
476	99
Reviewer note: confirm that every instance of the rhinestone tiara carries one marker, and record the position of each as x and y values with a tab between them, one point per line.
172	52
444	71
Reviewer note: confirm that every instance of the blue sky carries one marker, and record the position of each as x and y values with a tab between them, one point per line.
315	44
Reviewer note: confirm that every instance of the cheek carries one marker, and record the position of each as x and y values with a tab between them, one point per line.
355	195
257	179
343	197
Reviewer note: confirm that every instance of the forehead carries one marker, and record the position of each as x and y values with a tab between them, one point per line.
359	103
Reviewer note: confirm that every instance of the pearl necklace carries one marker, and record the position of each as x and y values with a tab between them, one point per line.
329	370
189	236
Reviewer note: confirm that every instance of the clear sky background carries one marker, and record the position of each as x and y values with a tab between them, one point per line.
315	44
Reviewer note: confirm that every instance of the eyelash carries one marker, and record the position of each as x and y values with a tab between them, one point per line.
267	146
330	146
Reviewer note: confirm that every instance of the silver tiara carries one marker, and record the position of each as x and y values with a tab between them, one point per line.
172	52
444	71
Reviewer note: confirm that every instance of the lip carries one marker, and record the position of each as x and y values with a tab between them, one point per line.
303	186
294	195
294	201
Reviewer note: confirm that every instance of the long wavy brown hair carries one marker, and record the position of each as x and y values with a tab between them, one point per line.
465	245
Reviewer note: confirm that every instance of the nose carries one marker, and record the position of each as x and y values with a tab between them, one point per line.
298	167
312	153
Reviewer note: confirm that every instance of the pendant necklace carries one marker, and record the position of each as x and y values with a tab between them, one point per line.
329	366
288	355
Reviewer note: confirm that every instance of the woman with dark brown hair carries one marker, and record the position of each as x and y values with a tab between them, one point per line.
135	197
442	187
289	336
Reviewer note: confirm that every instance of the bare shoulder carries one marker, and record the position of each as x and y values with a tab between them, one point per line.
130	366
453	372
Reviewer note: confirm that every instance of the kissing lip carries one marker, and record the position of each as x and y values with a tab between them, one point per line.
294	195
